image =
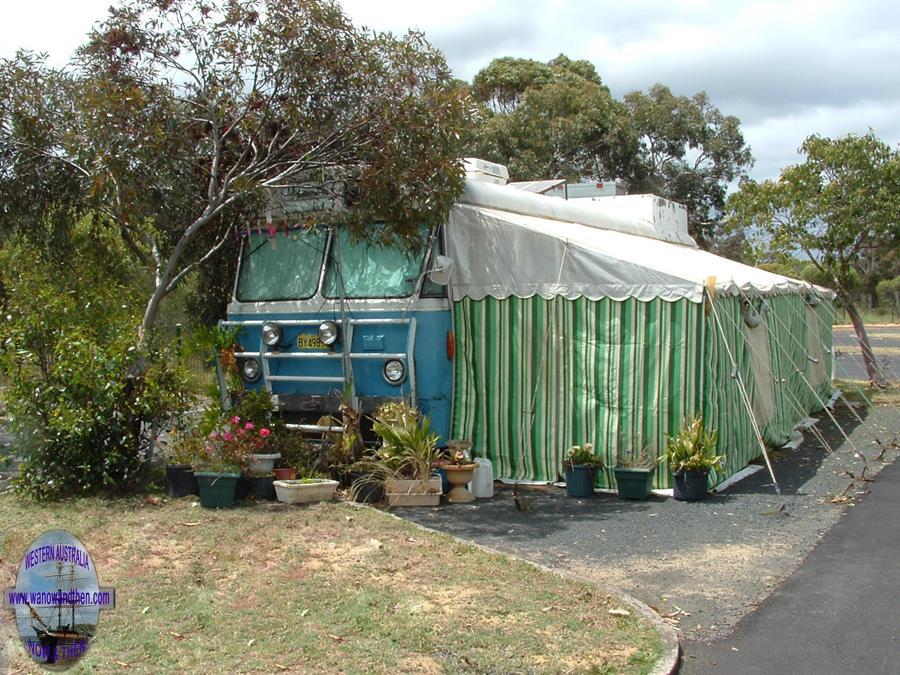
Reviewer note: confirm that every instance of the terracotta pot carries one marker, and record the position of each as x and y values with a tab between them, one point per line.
459	477
285	474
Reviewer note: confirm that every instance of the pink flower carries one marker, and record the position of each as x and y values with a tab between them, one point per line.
249	426
213	434
235	420
240	432
228	436
264	432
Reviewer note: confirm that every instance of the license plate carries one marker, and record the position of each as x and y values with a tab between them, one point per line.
310	341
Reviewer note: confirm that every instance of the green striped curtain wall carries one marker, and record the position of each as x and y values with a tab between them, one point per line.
535	376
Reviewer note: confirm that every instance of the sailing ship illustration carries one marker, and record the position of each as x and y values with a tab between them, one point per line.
62	642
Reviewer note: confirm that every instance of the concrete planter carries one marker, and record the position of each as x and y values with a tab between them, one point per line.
413	492
305	491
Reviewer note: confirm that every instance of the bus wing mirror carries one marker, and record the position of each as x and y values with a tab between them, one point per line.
440	274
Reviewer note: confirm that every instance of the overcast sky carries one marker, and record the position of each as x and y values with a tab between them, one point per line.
785	69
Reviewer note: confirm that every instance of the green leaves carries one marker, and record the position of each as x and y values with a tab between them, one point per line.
84	424
832	207
693	448
840	209
178	119
689	152
553	120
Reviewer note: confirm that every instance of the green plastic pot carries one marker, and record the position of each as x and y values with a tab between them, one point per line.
634	482
580	480
217	490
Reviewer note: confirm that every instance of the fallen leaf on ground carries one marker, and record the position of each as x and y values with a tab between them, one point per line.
618	611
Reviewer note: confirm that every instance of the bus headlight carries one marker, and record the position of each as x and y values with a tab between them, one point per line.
394	371
271	334
250	370
328	332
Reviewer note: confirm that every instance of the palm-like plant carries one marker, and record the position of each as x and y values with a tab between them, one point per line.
693	449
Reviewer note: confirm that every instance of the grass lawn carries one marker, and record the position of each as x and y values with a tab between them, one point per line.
859	392
326	589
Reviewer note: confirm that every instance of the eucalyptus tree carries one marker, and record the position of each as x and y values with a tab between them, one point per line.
551	120
178	118
838	208
690	153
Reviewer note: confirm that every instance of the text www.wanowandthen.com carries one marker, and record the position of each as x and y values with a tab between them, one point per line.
73	596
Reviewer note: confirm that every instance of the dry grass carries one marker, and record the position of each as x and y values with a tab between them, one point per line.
324	589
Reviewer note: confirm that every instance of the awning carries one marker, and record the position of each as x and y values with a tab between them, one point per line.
500	253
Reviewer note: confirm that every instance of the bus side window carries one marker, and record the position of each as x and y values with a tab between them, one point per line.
429	288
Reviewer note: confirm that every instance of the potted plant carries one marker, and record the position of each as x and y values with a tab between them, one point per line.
294	454
407	457
186	449
225	455
460	470
305	490
634	473
580	469
225	345
691	456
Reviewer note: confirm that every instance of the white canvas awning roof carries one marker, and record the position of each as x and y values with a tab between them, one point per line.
501	253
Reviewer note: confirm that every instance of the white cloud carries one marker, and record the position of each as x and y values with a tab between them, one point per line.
786	69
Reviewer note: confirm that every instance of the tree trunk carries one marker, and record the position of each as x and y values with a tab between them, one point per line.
875	377
150	314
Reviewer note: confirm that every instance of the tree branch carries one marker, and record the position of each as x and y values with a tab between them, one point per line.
209	254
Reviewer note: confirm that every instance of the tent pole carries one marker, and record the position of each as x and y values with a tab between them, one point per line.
799	371
746	400
796	403
703	302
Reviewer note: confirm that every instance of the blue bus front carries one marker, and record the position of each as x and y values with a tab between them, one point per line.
322	318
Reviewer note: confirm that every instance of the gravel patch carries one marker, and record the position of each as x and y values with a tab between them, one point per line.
701	565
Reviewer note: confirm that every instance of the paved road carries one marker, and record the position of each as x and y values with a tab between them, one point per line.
838	613
885	341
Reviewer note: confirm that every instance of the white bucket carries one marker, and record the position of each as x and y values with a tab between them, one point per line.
482	485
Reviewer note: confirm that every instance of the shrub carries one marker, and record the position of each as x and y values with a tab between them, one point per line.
85	403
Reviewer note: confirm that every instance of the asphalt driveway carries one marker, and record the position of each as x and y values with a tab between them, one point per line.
838	613
885	342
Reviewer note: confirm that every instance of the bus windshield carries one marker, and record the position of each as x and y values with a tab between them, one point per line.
369	270
283	267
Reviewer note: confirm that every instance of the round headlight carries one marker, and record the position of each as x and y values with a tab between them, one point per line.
328	332
250	370
271	334
394	371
